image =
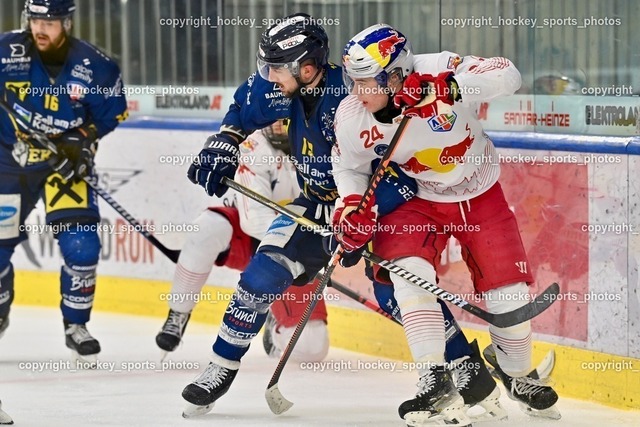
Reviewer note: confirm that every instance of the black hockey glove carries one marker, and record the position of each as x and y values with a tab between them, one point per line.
348	259
219	158
79	146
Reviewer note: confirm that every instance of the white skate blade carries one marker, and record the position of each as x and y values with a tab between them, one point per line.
551	413
191	410
5	419
88	361
455	413
489	409
276	401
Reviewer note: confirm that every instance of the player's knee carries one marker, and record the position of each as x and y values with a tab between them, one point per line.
507	298
80	249
211	225
201	248
5	257
262	281
408	292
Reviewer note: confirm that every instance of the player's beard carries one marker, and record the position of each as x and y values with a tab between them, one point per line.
52	45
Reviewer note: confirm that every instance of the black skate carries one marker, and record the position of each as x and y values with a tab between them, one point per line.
534	396
436	403
211	385
84	347
5	419
4	324
267	336
172	330
477	387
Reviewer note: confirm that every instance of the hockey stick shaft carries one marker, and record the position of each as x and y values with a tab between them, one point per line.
362	300
276	401
503	320
44	140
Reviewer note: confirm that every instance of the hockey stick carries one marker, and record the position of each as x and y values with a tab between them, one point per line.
276	401
45	142
362	300
528	311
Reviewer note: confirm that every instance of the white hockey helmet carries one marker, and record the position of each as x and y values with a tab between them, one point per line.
377	52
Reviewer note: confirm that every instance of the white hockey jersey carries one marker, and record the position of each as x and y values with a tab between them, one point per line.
266	171
449	155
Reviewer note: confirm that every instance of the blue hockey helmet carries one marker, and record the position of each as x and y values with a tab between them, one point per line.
288	43
49	9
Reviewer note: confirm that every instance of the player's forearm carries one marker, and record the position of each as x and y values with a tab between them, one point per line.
483	80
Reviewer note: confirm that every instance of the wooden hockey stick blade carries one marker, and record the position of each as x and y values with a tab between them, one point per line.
276	401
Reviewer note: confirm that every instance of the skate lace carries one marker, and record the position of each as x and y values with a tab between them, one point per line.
174	323
81	334
462	375
212	377
426	383
528	386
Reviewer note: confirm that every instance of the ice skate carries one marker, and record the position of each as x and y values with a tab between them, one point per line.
478	388
4	324
171	334
534	396
436	403
84	347
212	384
5	419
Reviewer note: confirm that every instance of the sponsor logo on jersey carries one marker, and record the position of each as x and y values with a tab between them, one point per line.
17	55
453	62
77	91
439	160
22	112
17	50
19	88
83	73
248	146
381	149
7	212
281	222
443	122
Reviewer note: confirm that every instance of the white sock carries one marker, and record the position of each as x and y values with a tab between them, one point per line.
513	344
422	317
197	257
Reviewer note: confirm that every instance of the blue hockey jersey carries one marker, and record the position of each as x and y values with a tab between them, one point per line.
88	89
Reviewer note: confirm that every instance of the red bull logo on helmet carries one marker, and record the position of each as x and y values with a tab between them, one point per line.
382	50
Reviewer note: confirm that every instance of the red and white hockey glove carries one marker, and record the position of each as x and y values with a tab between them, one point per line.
428	90
352	229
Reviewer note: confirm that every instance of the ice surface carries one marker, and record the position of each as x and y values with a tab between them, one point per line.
347	394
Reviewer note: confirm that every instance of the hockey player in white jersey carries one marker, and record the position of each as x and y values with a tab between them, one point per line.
229	235
456	167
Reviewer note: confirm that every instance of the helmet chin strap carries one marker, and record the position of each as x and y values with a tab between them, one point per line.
301	85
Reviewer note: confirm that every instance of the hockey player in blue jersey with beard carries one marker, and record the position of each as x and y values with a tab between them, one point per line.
72	92
294	80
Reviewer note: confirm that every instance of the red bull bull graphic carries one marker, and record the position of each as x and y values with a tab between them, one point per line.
381	50
440	160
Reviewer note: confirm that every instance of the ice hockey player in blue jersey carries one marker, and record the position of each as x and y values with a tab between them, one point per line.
72	92
294	80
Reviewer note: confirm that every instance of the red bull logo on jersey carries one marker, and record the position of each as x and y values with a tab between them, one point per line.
439	160
443	122
382	49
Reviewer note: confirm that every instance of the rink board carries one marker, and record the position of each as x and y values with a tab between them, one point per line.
556	205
